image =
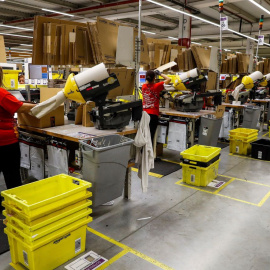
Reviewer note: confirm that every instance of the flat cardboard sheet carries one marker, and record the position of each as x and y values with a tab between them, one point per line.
3	58
202	56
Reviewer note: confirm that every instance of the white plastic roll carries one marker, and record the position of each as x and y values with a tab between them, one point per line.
191	73
257	75
49	105
267	77
96	73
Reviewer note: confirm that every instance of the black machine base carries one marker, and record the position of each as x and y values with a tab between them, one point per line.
116	115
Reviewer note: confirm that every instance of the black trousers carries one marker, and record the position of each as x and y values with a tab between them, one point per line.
10	158
153	125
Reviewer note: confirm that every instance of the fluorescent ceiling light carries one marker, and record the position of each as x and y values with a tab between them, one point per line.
201	19
238	52
173	38
16	27
58	12
196	43
26	44
227	50
259	6
11	49
147	32
14	35
210	46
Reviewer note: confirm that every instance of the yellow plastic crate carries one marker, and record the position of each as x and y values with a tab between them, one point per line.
48	252
201	153
45	196
240	147
13	224
199	176
11	79
243	139
243	132
47	219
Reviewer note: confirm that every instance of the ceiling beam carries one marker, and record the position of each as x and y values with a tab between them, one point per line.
63	3
165	19
148	25
210	3
12	13
245	15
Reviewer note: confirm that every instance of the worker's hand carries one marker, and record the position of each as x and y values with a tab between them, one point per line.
157	72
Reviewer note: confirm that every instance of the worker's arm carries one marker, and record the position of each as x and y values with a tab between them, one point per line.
26	107
167	79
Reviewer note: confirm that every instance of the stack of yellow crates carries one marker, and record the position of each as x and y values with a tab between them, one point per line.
46	221
240	139
200	165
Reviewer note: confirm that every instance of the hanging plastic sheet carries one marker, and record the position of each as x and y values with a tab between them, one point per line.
37	159
57	160
25	155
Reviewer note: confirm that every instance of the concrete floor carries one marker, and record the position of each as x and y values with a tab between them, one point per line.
188	228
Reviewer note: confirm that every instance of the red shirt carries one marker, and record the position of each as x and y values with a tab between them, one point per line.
8	106
150	94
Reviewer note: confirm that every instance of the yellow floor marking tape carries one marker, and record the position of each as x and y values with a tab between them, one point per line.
264	199
252	182
113	259
238	200
223	186
184	185
230	154
228	197
175	162
129	249
179	182
265	134
150	173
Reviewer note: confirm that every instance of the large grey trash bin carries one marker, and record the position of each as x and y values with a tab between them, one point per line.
251	117
209	130
105	161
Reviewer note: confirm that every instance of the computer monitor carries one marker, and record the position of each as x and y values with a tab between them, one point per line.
38	72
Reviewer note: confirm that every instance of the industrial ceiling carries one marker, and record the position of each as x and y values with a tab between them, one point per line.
243	16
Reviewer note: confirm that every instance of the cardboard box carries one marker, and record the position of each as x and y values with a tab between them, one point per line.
87	107
54	118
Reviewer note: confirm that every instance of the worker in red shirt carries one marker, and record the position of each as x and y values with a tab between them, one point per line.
9	146
150	92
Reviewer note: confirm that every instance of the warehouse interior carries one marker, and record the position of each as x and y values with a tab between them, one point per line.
142	130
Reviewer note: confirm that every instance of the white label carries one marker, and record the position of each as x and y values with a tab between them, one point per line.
216	184
12	83
237	149
222	77
205	131
224	23
260	154
25	258
261	40
78	245
192	178
89	261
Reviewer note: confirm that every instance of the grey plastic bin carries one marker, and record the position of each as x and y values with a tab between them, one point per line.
105	161
209	130
251	117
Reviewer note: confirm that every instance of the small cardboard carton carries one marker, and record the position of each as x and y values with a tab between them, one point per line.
54	118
